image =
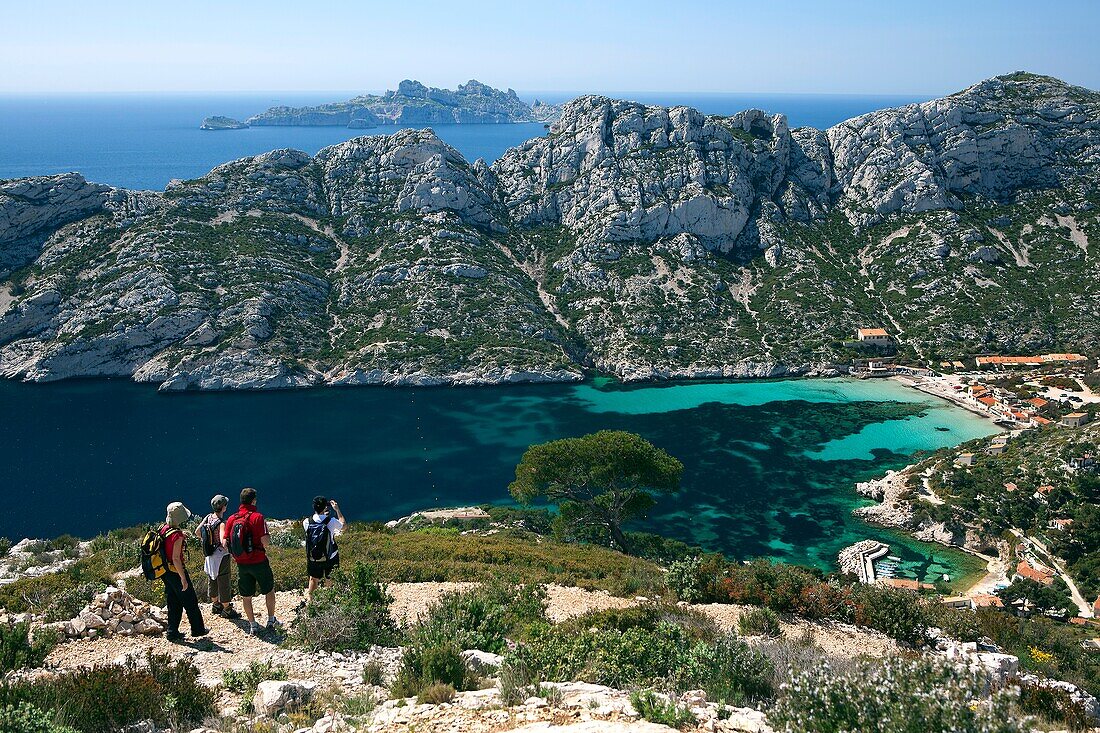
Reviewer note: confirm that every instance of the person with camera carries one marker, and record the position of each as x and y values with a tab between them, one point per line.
322	554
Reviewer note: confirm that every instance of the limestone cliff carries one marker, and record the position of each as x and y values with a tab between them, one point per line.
645	241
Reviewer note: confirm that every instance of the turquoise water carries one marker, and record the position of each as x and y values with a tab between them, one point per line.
769	466
145	140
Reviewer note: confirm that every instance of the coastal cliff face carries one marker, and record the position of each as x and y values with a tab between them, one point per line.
648	242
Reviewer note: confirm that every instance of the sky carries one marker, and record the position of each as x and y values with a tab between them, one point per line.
795	46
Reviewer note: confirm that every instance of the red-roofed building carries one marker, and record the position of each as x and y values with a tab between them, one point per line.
986	599
987	401
1040	421
1024	569
1039	402
1044	490
1010	486
1096	606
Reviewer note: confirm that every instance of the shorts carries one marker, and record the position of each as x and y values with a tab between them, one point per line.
322	570
254	575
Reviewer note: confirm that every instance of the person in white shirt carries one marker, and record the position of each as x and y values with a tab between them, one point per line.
322	555
217	561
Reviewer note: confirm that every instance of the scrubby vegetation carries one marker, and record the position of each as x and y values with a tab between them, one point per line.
108	697
892	696
351	613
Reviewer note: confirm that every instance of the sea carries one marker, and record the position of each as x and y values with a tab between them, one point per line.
143	141
770	466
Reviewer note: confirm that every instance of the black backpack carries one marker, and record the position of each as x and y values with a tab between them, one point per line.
154	557
209	537
240	537
319	542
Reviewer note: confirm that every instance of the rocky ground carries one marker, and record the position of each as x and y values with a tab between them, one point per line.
229	647
647	242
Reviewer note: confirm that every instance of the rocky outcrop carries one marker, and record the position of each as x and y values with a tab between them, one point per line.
642	241
414	104
220	122
33	208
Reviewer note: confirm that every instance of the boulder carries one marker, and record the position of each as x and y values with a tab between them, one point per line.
483	663
274	696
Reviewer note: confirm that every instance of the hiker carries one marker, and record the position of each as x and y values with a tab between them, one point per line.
178	591
217	564
246	539
322	555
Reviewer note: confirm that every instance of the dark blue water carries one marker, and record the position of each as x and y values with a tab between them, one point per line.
145	140
769	466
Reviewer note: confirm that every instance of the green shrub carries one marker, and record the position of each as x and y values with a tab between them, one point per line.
958	623
5	547
20	649
1054	706
353	612
892	696
69	602
646	647
373	674
658	710
425	666
515	678
436	694
760	622
896	613
684	579
109	697
26	718
482	618
245	681
729	671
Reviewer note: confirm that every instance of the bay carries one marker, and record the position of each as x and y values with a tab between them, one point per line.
770	466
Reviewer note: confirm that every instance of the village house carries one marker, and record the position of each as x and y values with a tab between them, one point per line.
1060	524
1040	422
1041	492
1075	419
995	449
965	459
984	600
1024	569
874	336
958	602
1011	486
1086	462
1038	402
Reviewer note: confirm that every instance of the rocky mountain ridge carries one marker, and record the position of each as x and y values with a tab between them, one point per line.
643	241
411	104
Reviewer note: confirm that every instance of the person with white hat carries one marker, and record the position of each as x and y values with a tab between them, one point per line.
217	564
178	591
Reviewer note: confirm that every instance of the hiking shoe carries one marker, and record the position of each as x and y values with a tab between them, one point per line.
200	632
274	624
217	609
173	636
253	628
230	613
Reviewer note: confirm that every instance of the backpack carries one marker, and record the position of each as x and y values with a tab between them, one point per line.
319	542
154	557
240	536
209	538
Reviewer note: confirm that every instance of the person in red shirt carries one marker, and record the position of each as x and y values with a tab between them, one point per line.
178	591
248	546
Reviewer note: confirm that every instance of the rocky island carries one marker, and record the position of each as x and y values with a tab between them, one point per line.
412	104
219	122
646	242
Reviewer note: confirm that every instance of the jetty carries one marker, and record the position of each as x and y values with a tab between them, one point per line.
859	559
